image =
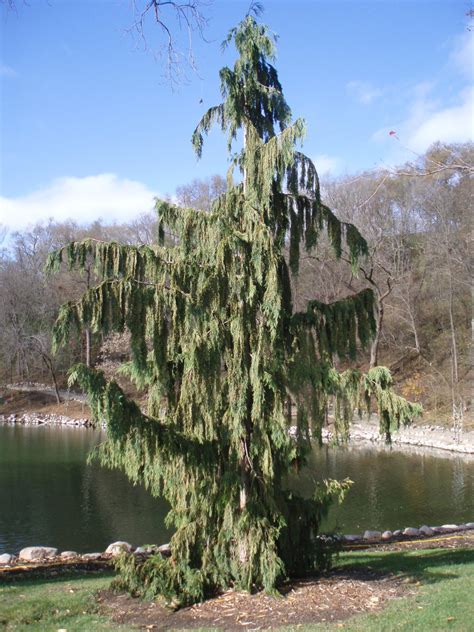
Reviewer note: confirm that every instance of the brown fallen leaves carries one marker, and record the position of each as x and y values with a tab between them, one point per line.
330	598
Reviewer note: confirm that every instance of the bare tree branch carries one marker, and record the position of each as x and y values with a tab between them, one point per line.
172	17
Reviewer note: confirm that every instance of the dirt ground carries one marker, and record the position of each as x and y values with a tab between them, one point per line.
22	402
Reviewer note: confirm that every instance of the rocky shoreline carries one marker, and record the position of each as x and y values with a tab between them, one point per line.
428	436
44	419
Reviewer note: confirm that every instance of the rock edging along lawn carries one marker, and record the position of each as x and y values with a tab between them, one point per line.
34	555
407	533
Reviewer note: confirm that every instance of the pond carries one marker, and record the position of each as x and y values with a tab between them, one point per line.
49	495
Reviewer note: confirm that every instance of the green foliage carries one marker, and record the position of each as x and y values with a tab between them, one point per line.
393	410
227	365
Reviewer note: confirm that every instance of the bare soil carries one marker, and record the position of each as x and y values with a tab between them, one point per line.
23	402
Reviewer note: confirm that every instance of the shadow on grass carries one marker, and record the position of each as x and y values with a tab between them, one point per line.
427	566
35	579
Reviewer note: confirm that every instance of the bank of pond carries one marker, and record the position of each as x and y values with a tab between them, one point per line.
49	495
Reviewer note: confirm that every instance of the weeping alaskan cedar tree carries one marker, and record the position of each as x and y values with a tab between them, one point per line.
227	364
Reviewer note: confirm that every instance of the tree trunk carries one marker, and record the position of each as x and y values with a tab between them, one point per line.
49	364
87	333
374	349
457	401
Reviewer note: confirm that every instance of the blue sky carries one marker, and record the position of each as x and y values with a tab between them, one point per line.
89	128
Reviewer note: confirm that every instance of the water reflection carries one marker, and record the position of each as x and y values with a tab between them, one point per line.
394	489
50	496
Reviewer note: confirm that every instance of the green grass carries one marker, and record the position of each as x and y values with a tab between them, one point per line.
45	605
444	599
443	580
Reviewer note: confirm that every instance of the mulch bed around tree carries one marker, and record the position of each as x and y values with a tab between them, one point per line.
329	598
334	597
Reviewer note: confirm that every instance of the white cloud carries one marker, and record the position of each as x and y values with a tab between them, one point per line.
428	121
7	71
85	199
363	91
453	124
326	164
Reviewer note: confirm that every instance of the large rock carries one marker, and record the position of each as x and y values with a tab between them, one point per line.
387	535
37	553
5	559
450	527
469	525
165	550
372	535
425	530
91	557
118	547
411	532
446	528
351	538
68	554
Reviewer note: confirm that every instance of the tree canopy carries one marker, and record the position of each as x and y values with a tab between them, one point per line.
227	364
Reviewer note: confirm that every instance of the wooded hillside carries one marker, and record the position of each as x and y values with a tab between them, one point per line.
416	219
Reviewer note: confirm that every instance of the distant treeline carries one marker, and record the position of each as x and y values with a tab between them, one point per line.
417	220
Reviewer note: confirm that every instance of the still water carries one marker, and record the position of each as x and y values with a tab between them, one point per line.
49	495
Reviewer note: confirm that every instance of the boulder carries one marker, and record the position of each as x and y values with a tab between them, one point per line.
387	535
91	557
351	538
372	535
118	547
5	559
37	553
446	528
451	527
425	530
150	548
165	550
469	525
411	532
66	554
397	533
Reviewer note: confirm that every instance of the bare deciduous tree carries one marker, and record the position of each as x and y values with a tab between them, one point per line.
174	19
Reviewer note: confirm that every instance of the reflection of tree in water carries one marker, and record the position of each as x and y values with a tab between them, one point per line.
462	486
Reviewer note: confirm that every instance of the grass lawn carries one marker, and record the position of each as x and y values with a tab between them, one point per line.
45	605
443	580
444	599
